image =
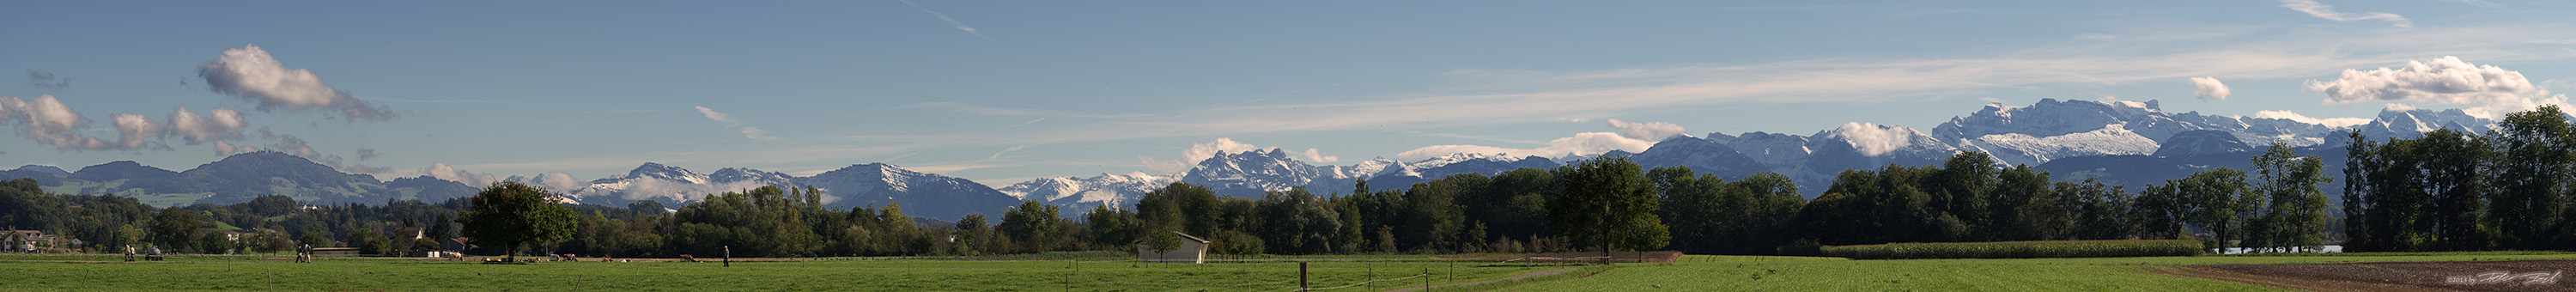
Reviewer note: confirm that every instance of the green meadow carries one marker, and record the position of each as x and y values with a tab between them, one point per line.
1092	272
102	272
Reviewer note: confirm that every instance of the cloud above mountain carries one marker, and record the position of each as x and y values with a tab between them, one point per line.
1202	151
2446	80
251	74
1875	139
1586	144
2327	12
2208	88
2329	122
440	170
48	121
730	122
1649	131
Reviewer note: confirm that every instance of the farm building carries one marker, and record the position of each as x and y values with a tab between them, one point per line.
26	241
1192	250
456	244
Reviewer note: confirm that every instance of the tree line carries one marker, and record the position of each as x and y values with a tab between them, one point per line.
2449	190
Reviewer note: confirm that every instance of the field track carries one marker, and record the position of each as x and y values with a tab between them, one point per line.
2393	276
1513	277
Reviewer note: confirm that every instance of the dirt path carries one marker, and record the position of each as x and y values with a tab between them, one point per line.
2280	282
2393	276
1513	277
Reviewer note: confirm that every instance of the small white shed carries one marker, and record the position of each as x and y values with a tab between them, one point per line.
1192	250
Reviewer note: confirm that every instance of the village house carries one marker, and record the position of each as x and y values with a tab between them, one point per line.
459	244
26	241
1192	250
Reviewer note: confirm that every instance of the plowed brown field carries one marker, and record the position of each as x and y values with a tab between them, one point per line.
2396	276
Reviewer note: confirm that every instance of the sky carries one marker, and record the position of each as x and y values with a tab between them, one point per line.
1006	91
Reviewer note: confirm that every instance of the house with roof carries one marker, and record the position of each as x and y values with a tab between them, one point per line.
1192	250
26	241
459	244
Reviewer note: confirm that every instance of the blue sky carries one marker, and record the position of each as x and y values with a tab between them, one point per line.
1001	92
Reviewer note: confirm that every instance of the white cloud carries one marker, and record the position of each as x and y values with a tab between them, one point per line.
1202	151
1650	131
48	121
2329	122
227	149
1875	139
1197	152
440	170
136	129
2321	10
215	125
554	181
2208	88
951	21
998	155
560	181
729	121
249	73
2398	107
1589	143
292	145
1316	156
2448	80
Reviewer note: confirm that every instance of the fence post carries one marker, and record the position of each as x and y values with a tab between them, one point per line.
1301	277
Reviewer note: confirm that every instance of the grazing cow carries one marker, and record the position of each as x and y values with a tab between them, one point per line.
568	257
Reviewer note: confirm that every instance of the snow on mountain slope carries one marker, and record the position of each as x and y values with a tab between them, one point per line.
1815	159
931	195
670	184
2018	148
1109	189
2408	122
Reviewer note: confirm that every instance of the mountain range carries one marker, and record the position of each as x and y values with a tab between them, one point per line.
2120	141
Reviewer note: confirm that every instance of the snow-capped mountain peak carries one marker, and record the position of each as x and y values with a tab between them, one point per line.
665	172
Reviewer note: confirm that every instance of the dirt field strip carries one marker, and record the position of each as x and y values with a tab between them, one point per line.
2393	276
2280	282
1513	277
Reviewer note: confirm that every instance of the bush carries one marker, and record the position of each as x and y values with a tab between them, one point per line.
2017	249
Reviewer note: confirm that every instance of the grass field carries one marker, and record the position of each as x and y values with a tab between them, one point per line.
1058	272
2086	274
60	272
